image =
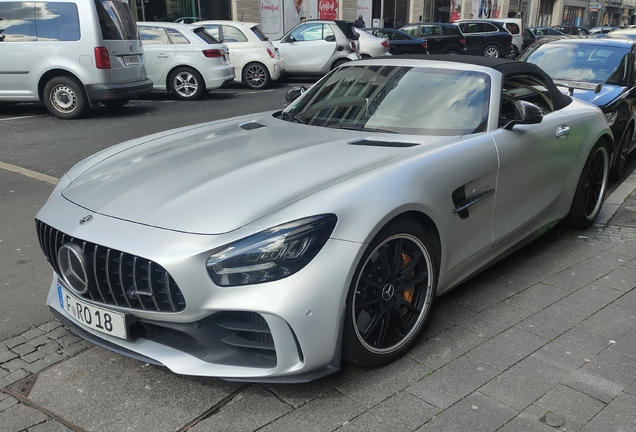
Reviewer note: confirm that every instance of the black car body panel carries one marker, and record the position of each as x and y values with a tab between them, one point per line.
486	38
400	42
441	38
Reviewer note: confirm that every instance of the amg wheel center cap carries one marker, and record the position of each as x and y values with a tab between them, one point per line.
387	292
74	267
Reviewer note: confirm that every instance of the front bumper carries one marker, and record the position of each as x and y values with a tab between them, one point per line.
288	330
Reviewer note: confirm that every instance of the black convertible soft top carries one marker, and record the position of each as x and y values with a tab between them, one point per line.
506	66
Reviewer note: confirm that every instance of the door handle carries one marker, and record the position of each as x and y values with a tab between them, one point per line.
562	131
162	55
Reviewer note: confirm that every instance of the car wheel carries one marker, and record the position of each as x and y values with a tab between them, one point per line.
492	51
514	53
256	76
115	103
186	84
621	157
451	52
391	294
590	190
65	98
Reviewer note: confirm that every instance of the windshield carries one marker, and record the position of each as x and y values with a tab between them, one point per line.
116	20
397	99
587	63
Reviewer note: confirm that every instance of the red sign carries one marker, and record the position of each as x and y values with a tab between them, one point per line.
328	9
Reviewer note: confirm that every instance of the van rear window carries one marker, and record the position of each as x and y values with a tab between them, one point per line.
116	20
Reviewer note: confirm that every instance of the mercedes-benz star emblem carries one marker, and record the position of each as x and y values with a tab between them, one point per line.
74	267
86	219
387	292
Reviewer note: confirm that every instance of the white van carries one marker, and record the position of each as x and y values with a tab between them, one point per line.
70	54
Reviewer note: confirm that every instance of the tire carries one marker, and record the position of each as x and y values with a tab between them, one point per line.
256	76
65	98
186	84
391	295
514	53
115	103
621	157
590	189
452	52
491	51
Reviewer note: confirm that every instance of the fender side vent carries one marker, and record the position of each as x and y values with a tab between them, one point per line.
251	126
383	143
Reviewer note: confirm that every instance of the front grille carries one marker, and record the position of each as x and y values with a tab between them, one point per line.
117	278
375	143
249	331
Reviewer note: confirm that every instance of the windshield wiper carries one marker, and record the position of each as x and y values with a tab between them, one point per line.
361	128
289	116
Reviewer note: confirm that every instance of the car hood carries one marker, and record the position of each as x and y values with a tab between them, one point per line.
217	178
608	94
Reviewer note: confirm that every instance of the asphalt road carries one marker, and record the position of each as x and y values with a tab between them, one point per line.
37	148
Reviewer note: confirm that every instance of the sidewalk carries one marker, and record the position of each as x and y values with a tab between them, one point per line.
543	341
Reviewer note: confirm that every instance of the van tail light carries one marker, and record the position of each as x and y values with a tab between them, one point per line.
353	44
213	53
102	59
462	41
271	53
385	43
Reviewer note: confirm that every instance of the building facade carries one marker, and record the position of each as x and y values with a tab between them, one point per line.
278	16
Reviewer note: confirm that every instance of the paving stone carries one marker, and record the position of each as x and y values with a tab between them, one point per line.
604	377
591	298
553	321
606	262
446	313
401	412
74	348
475	413
571	404
51	325
50	426
20	417
38	341
15	364
445	347
575	277
263	408
493	321
6	356
49	347
524	383
7	402
13	377
628	300
447	385
555	260
376	385
623	278
23	349
612	322
18	340
35	355
618	415
625	346
573	349
3	372
507	348
58	332
537	297
529	420
323	414
33	333
68	340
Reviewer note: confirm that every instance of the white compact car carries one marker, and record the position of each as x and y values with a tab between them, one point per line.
184	59
371	45
256	60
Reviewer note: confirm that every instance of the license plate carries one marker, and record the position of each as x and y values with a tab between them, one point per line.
99	319
131	60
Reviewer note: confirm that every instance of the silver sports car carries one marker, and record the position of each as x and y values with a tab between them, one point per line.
269	247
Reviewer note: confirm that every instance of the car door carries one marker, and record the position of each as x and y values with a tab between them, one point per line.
159	52
434	38
308	47
534	159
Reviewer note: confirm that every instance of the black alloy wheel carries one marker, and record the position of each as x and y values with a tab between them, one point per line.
591	188
391	295
621	155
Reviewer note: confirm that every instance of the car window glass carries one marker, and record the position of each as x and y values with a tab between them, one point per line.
232	34
41	21
214	30
204	35
513	28
430	30
307	32
412	30
529	88
488	27
451	30
176	37
259	34
153	36
116	20
18	22
327	31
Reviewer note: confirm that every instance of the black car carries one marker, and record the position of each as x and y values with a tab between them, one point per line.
441	38
600	71
541	32
486	38
400	42
528	38
571	29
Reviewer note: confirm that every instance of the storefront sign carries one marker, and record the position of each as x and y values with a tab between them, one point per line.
594	7
328	9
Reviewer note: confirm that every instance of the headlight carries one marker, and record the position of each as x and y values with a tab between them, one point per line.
611	118
272	254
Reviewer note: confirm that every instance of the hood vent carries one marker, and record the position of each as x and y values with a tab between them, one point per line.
373	143
251	126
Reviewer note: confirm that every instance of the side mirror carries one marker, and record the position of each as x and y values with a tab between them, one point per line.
294	93
330	38
525	113
290	38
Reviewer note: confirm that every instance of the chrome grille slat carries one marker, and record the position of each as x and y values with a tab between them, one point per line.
115	273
